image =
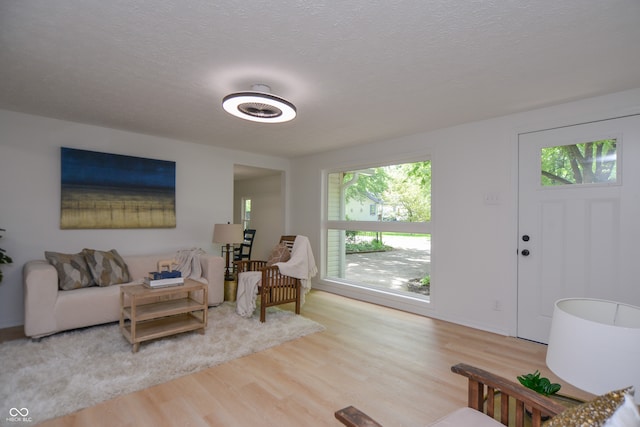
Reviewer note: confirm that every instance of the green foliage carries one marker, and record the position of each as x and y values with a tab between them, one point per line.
585	163
362	183
4	258
539	384
426	280
374	245
406	186
410	188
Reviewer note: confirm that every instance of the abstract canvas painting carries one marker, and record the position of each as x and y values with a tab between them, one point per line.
101	190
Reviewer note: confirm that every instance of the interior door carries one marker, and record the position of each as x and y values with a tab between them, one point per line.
579	218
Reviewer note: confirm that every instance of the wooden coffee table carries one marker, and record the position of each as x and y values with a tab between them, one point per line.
147	314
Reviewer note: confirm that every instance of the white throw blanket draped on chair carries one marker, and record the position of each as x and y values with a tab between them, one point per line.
302	265
248	282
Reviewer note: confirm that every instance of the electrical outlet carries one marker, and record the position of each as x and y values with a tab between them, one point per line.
492	198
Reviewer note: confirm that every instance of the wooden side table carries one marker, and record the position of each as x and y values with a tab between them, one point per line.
155	313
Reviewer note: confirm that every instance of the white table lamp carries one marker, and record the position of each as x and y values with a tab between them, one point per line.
595	345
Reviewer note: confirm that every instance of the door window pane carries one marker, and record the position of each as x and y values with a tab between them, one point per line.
585	163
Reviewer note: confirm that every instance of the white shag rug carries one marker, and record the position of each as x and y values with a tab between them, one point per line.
73	370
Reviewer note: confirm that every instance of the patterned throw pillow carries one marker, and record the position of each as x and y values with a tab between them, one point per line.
593	414
107	268
280	253
73	272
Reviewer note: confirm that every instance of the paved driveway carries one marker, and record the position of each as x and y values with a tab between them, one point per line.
410	259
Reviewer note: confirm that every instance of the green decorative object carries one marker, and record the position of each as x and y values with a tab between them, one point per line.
4	258
539	384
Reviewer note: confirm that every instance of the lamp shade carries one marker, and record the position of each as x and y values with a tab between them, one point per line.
228	233
595	345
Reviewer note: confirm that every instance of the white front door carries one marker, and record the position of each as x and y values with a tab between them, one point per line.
579	218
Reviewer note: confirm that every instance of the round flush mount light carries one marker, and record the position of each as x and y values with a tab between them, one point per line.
259	105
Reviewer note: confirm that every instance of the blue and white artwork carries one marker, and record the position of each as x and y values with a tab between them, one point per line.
101	190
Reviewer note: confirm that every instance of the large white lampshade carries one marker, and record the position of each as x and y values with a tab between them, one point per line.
595	345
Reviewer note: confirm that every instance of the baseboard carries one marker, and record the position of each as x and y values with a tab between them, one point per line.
12	333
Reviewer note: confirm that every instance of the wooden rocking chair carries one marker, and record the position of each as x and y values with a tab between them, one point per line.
274	288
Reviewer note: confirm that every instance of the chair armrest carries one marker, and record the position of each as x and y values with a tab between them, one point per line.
249	265
353	417
538	404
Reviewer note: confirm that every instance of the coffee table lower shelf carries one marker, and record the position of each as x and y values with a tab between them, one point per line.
163	327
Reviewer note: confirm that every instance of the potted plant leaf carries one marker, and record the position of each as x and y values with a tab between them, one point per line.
545	387
4	258
539	384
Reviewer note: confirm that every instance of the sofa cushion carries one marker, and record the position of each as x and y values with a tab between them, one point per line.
73	271
107	268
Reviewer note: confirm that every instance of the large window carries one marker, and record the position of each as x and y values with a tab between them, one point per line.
378	229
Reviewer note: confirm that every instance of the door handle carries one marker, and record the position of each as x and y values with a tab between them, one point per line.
525	252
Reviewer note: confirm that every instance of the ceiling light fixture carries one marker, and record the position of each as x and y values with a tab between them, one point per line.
259	105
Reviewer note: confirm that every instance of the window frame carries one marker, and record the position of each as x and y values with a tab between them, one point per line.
374	226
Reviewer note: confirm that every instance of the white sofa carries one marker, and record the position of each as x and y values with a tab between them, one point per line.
48	310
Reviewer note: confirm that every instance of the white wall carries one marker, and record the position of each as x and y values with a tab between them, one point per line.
267	211
30	195
474	243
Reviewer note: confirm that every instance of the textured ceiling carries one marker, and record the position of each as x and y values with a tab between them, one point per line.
358	70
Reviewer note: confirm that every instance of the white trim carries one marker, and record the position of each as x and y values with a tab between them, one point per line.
363	292
388	226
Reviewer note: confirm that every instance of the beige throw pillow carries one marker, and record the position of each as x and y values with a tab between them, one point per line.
594	413
280	253
107	268
73	271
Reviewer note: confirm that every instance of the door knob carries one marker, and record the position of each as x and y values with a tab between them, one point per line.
525	252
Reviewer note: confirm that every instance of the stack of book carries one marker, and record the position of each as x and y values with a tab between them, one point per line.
163	279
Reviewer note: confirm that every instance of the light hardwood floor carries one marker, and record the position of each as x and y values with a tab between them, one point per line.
390	364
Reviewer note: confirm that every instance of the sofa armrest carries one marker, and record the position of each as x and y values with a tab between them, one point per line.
40	282
213	271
